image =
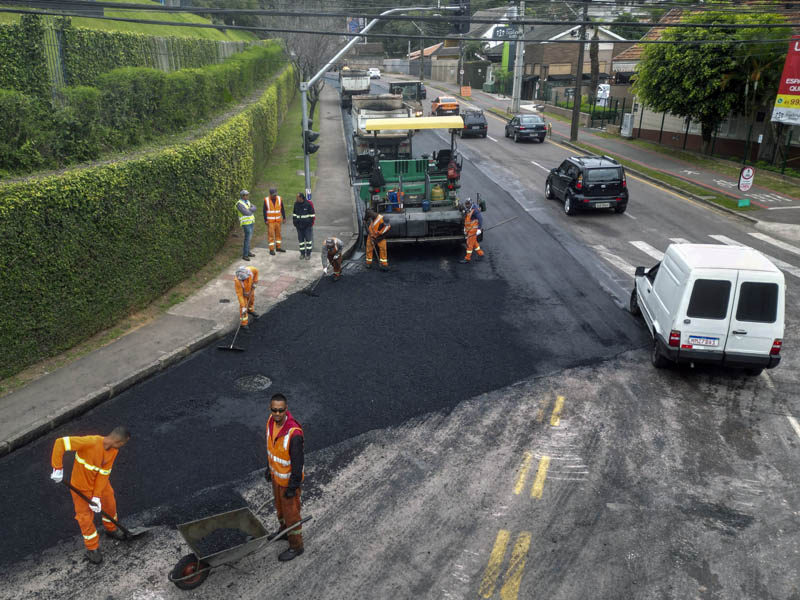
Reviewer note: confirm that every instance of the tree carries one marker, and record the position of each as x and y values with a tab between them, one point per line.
705	82
629	32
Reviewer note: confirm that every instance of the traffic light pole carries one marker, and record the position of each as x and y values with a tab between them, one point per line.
305	85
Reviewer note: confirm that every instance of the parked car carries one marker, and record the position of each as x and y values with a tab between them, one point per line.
474	124
423	93
444	105
526	127
706	303
588	183
374	73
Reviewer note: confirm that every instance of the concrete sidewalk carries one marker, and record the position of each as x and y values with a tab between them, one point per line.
770	205
207	315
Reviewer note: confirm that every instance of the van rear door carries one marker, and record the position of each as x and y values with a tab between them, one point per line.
757	317
705	325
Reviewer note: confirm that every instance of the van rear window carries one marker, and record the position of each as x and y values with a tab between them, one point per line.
709	299
758	302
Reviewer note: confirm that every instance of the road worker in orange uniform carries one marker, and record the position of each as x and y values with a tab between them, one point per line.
274	215
377	229
94	457
245	283
285	456
471	232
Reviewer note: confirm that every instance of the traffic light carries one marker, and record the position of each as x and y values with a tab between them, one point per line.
308	138
462	24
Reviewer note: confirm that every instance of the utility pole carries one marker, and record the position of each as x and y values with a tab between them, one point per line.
460	64
576	107
516	90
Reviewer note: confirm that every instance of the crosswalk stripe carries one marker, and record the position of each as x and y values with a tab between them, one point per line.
778	263
648	249
615	260
782	245
680	240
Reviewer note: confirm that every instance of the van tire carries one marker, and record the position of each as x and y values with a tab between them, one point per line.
633	305
658	360
754	372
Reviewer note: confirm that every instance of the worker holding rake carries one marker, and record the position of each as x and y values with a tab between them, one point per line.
245	283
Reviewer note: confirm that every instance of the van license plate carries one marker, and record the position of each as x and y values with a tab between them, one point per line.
703	341
603	205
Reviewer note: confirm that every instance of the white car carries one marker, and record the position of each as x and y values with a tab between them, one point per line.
374	73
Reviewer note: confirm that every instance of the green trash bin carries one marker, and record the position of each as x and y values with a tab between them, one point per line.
488	87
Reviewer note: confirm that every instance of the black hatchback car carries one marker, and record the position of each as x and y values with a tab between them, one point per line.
527	127
588	183
474	124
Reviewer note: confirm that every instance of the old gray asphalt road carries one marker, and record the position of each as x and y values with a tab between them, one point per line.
673	484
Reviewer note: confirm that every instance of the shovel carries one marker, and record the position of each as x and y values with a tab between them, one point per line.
129	533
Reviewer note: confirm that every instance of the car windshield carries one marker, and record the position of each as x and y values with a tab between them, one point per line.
610	174
531	119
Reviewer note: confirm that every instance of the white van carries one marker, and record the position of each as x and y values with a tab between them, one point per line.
712	304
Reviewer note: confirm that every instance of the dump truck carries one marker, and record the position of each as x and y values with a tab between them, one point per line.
391	143
352	82
418	197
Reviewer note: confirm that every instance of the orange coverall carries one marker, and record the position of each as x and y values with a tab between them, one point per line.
246	294
377	228
280	465
273	209
471	231
90	475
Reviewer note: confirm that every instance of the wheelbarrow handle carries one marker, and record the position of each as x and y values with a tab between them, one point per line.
102	512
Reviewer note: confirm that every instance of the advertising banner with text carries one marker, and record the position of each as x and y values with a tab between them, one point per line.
787	104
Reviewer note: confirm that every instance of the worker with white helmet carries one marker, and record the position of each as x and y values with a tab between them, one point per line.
332	256
245	283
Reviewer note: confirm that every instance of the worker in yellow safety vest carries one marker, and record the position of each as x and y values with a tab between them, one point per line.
247	220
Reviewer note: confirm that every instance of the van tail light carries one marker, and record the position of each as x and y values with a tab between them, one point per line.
674	338
776	347
376	190
450	186
579	183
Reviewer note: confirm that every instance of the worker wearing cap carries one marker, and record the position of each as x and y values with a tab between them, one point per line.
274	215
332	257
472	229
94	457
245	283
247	220
303	217
377	229
285	457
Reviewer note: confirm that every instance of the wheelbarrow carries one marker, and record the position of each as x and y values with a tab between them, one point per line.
193	569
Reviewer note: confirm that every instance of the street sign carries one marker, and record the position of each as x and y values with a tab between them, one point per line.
461	71
505	33
787	103
746	178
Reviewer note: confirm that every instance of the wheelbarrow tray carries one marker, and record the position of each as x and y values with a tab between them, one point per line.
242	519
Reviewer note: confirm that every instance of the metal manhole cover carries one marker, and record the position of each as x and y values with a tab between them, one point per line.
253	383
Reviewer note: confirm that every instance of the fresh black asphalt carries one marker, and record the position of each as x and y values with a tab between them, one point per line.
371	351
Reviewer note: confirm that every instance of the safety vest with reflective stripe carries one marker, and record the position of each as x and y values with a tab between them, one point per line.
470	225
378	227
273	210
245	220
280	462
93	463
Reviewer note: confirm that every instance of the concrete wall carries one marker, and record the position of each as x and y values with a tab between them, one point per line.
444	70
396	65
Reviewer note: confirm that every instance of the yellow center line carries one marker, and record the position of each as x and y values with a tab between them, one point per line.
555	418
541	474
495	562
542	408
523	473
510	589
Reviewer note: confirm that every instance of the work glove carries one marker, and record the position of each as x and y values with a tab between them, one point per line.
325	271
95	504
289	493
479	231
336	257
244	311
267	475
57	475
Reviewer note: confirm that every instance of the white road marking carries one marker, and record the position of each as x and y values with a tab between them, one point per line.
795	424
778	263
680	240
630	216
533	162
782	207
782	245
768	379
491	138
648	249
615	260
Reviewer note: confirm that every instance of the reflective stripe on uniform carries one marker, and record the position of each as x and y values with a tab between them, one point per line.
116	518
91	467
67	445
89	537
285	463
282	475
245	219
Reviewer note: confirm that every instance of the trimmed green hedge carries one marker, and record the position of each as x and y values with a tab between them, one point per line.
23	65
128	107
81	250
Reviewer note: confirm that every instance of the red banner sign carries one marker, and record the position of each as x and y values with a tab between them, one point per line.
787	104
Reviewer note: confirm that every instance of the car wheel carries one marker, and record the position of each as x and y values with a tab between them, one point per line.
548	191
506	131
516	137
569	207
658	360
633	305
620	209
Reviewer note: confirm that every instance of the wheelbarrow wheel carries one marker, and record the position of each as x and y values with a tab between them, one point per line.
187	566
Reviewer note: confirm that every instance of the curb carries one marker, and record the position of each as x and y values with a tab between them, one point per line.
86	403
675	189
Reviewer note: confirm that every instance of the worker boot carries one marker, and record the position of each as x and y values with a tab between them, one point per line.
251	255
117	534
281	250
272	252
369	265
290	554
252	314
95	557
464	261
